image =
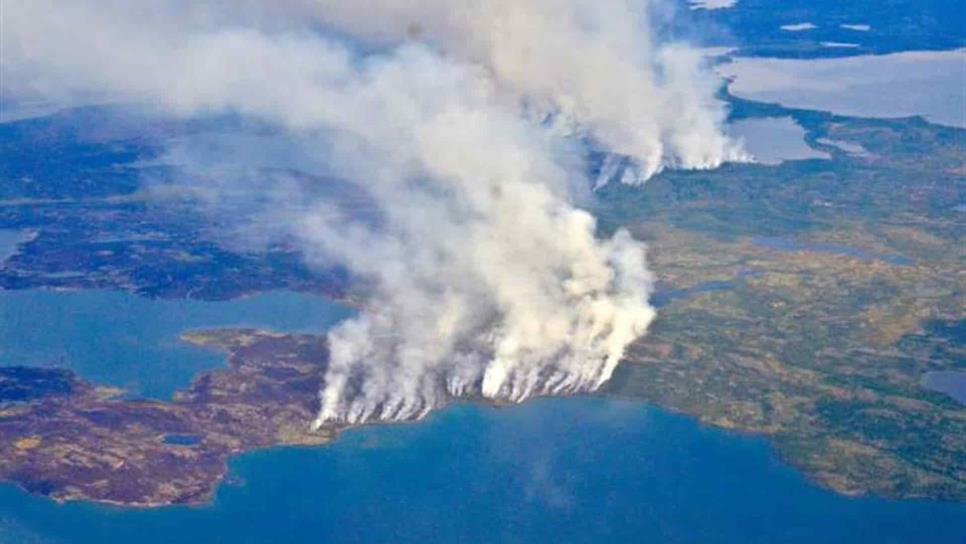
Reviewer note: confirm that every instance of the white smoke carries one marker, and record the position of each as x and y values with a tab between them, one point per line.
463	121
593	62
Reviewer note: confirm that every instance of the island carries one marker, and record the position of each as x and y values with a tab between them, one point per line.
63	437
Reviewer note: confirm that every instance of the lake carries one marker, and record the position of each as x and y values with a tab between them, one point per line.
791	245
950	382
664	295
927	83
552	470
120	339
588	469
9	240
773	140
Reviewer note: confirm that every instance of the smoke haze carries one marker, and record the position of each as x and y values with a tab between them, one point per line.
464	123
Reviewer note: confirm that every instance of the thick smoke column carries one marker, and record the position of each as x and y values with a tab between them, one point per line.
592	63
463	121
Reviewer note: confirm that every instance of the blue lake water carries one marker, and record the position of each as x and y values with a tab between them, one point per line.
182	439
9	238
773	140
790	244
664	296
120	339
950	382
554	470
569	470
927	83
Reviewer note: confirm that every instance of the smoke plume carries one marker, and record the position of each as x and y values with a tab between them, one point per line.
465	123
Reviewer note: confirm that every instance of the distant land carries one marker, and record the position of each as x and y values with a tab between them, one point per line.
69	439
802	300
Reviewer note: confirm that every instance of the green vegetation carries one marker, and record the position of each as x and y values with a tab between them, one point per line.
823	336
802	301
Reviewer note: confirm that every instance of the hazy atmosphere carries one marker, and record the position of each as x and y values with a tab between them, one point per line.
467	125
482	271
